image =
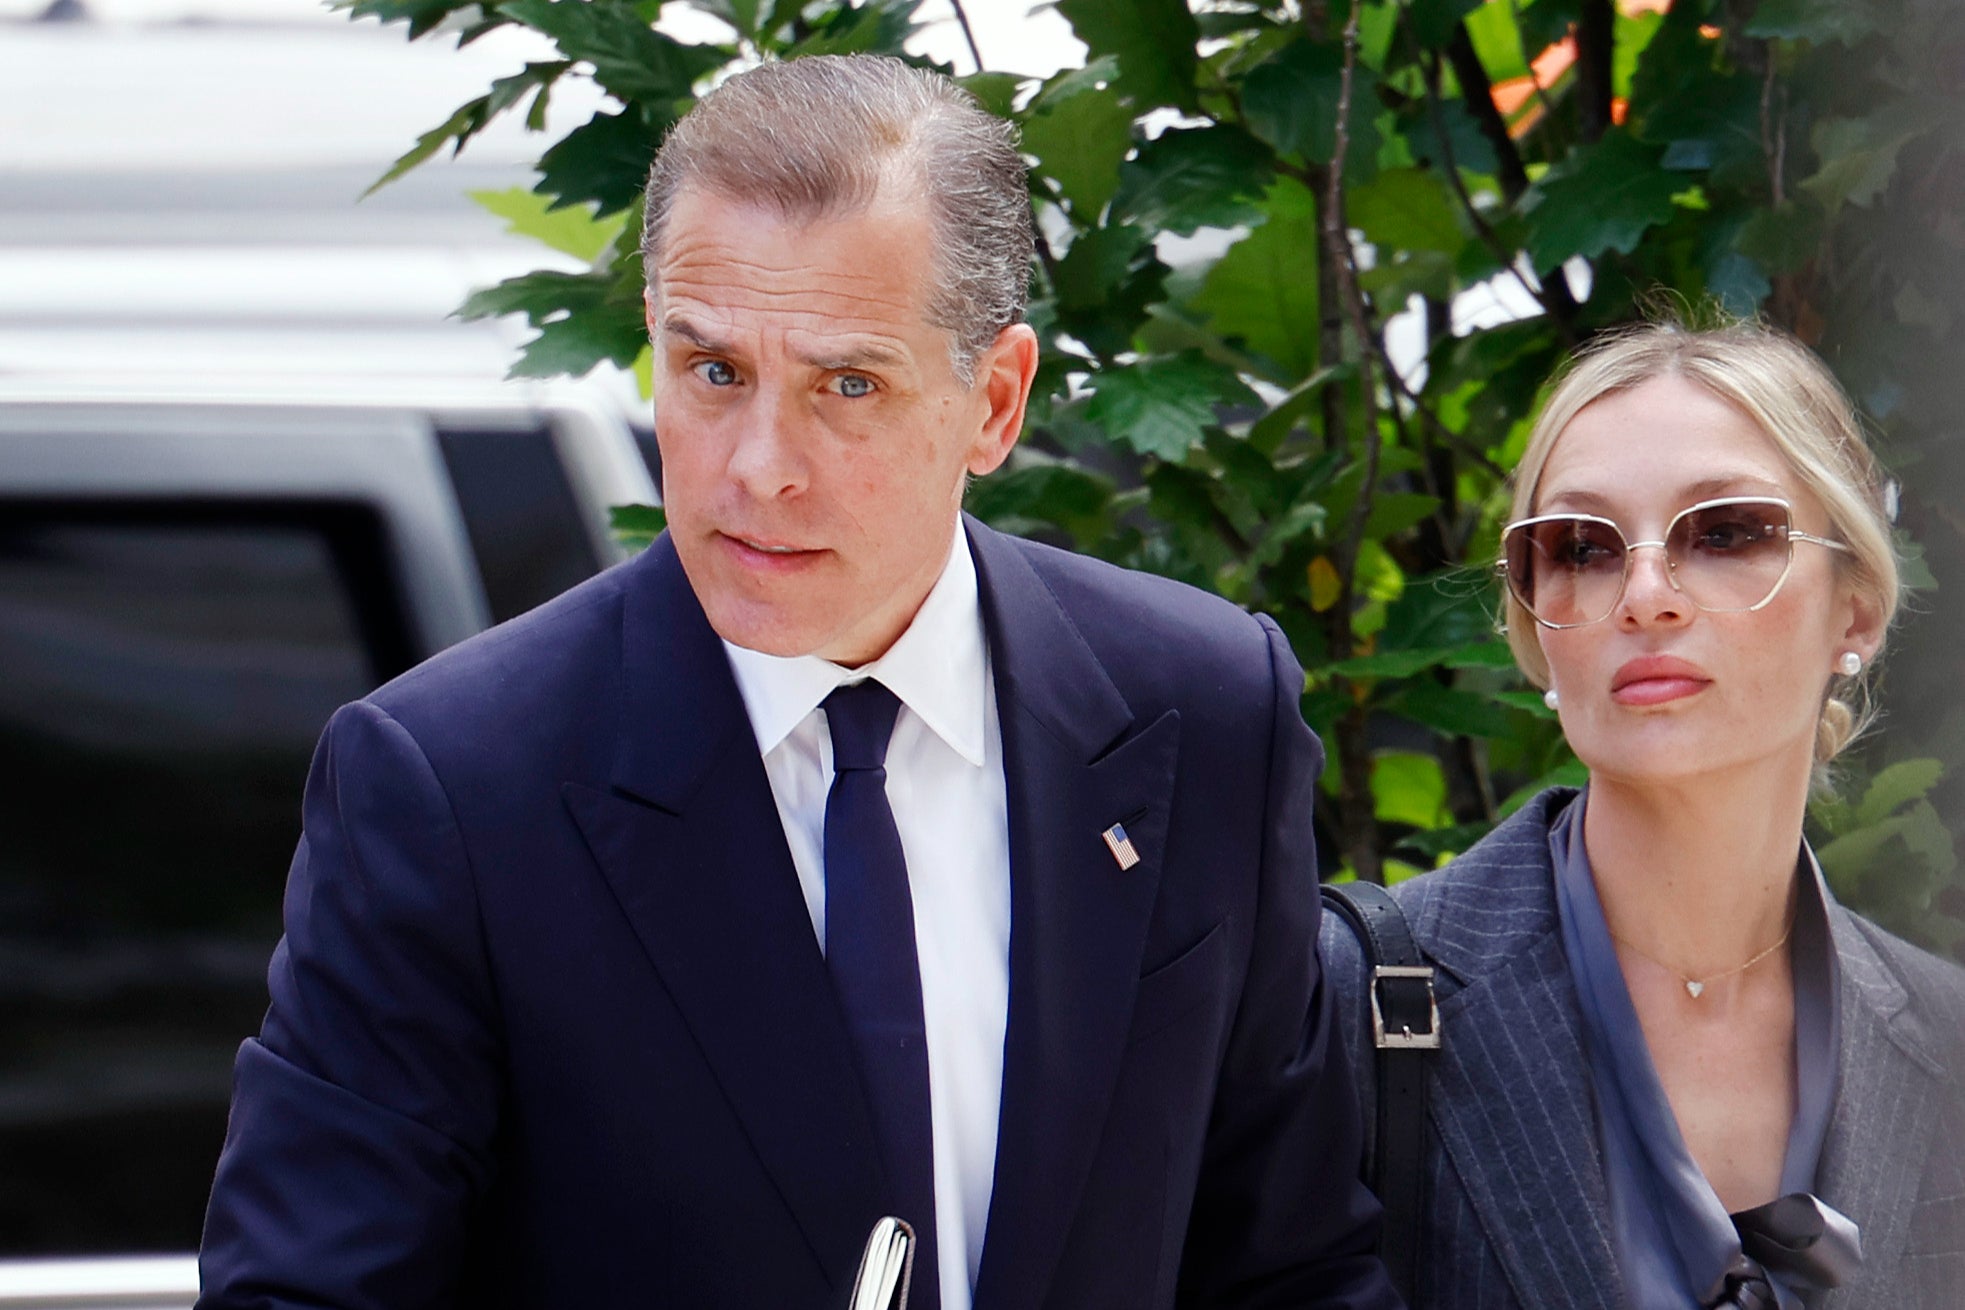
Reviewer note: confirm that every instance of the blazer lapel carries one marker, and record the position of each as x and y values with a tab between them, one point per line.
1074	766
1888	1086
1515	1112
689	840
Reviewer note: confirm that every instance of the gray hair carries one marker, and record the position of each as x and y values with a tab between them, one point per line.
821	136
1793	398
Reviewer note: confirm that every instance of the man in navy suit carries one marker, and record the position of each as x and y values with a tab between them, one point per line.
609	979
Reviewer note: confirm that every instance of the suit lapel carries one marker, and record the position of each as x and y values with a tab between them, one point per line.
1515	1113
689	840
1075	765
1887	1096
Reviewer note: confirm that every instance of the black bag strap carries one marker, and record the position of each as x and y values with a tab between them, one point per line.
1405	1030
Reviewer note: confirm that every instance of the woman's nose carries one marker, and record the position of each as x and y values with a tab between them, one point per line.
1651	593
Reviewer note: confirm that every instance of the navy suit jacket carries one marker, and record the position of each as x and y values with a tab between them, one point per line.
1518	1212
550	1027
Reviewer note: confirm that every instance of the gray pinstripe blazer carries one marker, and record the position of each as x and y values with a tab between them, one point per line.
1517	1212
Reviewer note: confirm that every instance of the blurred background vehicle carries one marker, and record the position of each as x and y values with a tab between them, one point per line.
249	470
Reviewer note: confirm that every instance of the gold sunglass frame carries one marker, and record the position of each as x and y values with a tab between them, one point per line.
1790	534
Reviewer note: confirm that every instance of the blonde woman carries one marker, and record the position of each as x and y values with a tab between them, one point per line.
1657	1022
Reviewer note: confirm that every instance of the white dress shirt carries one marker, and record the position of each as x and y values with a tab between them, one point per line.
945	784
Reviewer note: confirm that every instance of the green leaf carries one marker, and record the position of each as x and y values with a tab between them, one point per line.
1487	655
581	320
1269	431
1784	239
1306	518
1497	41
1263	291
1096	76
1859	155
1435	21
630	59
1162	406
1438	610
1409	787
1394	512
473	116
461	126
1452	712
1097	263
1406	209
635	527
1079	143
1604	197
1845	21
1290	101
603	162
1440	844
1189	178
1043	491
1529	702
1391	663
873	27
1630	36
421	15
1897	786
996	91
740	14
1570	773
570	229
1472	151
573	346
1153	40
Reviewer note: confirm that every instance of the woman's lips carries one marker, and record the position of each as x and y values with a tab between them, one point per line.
1656	679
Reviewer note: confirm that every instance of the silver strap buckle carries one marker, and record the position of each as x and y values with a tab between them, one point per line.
1405	1039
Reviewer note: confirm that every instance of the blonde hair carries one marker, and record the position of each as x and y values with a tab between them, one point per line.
1791	396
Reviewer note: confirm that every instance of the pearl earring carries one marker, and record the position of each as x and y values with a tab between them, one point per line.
1550	699
1849	664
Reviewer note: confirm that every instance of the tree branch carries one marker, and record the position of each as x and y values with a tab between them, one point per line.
1553	297
1359	823
1596	32
968	33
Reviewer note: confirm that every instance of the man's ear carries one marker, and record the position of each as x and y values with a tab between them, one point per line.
1004	375
648	309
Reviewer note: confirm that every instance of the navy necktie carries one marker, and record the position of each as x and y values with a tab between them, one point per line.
870	954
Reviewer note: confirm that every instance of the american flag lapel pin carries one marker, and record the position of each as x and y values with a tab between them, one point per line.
1121	846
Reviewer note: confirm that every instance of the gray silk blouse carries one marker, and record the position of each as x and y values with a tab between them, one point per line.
1675	1243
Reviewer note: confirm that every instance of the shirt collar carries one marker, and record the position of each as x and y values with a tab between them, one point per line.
938	668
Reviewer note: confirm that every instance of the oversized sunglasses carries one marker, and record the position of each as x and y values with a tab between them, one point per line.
1725	556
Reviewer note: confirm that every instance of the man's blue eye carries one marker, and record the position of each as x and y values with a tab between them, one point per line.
853	385
717	373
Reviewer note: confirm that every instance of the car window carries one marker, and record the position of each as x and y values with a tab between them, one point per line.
165	669
520	513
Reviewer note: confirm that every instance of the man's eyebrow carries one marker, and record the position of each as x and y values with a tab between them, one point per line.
864	355
682	327
869	354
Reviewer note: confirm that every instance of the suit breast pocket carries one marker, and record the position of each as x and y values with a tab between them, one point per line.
1182	986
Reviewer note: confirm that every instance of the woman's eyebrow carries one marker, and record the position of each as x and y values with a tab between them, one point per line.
1586	501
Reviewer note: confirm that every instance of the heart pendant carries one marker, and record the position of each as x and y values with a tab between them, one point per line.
1696	988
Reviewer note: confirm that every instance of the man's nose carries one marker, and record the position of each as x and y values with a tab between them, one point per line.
768	458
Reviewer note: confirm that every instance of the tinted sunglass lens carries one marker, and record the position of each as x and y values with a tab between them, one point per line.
1566	570
1730	556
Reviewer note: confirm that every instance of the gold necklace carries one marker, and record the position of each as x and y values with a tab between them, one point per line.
1697	986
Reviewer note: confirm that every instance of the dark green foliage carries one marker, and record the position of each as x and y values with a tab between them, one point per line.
1222	410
